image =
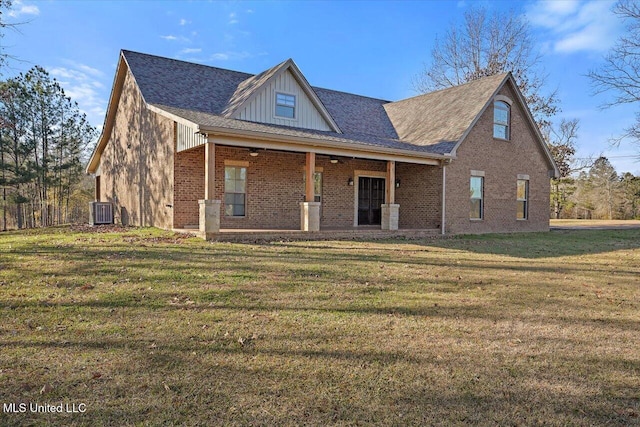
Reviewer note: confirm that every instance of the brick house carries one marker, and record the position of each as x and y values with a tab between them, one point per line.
191	146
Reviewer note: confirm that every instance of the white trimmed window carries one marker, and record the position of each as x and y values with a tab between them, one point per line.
317	185
235	190
477	195
522	195
285	105
501	120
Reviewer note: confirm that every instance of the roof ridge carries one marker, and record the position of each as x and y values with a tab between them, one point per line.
456	86
350	93
248	75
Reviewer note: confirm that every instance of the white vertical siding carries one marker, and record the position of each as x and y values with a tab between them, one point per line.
262	107
186	137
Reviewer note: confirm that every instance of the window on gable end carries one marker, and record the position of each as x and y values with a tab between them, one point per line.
501	120
285	105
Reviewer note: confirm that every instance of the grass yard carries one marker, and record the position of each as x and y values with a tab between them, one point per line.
149	328
596	223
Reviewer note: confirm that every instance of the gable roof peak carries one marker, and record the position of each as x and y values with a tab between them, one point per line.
131	53
498	78
248	89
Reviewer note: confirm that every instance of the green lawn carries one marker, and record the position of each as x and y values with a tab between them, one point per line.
150	328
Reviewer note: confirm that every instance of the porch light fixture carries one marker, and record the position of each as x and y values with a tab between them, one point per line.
253	152
350	181
397	183
333	160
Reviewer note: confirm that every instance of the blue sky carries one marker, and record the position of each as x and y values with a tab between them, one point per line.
369	48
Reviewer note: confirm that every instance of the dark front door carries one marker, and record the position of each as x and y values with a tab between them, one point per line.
370	197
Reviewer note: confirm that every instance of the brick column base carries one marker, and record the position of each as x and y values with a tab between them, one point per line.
310	216
390	216
209	218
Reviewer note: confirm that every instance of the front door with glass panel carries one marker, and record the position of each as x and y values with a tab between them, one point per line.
370	199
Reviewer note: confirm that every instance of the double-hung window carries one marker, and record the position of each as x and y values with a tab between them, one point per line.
235	190
477	195
501	120
285	105
522	195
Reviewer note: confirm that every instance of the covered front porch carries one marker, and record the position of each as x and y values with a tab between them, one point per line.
266	192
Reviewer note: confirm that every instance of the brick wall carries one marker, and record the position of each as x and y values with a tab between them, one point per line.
501	162
135	166
419	195
189	186
275	188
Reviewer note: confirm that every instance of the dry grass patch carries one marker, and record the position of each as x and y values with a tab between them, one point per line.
595	223
149	328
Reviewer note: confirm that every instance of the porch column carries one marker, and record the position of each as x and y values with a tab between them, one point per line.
209	208
444	197
390	210
310	209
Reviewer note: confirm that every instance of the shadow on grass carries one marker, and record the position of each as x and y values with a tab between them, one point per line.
544	245
426	310
235	263
171	353
355	390
557	243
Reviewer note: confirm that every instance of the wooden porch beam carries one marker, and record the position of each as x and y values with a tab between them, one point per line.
310	172
391	183
209	170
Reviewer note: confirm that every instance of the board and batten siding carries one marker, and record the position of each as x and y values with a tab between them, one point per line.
262	108
186	137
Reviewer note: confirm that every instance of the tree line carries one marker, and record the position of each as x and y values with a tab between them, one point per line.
43	145
43	142
596	192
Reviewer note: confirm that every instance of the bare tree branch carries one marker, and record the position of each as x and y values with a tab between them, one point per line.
620	73
484	45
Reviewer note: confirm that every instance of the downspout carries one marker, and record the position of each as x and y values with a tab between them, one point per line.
444	195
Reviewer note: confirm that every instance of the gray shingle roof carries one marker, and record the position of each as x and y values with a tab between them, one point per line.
211	120
442	116
246	88
431	123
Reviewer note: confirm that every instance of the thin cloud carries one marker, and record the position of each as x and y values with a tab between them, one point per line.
184	22
172	38
234	56
90	70
190	50
80	84
220	57
232	18
19	9
575	26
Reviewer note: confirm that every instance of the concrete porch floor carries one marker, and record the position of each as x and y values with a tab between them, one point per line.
365	233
